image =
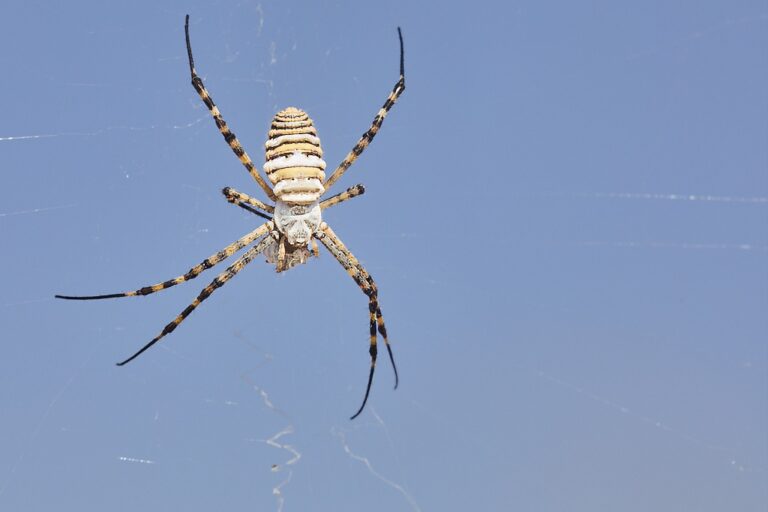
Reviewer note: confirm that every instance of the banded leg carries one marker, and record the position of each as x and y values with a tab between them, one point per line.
218	282
368	136
230	137
367	285
248	203
281	254
351	192
191	273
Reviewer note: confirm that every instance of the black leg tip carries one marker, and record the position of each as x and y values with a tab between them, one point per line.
402	52
189	50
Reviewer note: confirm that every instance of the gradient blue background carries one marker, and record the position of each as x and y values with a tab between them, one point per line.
566	216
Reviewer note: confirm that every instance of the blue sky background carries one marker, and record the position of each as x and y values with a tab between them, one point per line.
565	214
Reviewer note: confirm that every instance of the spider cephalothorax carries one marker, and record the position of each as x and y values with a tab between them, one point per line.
297	224
295	167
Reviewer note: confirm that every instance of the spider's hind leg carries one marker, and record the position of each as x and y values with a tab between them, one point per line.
368	136
229	137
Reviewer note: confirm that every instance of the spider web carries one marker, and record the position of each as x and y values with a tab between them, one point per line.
531	379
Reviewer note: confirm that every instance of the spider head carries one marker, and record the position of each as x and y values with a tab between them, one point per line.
298	222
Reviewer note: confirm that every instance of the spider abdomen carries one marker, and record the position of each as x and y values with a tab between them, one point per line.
294	162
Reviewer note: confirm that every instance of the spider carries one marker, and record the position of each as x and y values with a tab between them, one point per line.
295	168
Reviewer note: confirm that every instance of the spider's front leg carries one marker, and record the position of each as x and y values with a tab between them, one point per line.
376	321
192	273
217	283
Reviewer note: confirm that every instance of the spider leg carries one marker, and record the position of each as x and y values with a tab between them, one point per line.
248	203
191	273
368	136
281	254
218	282
253	210
367	285
351	192
230	137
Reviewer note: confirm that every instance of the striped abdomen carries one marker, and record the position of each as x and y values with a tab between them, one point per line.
295	163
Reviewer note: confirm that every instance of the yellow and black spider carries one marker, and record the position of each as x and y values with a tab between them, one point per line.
295	168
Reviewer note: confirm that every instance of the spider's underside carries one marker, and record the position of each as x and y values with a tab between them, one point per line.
296	171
